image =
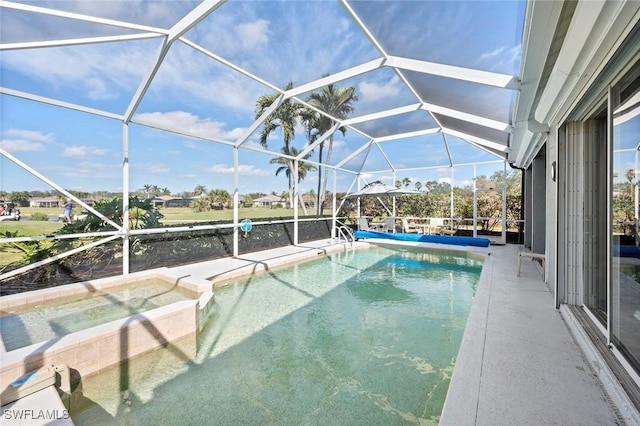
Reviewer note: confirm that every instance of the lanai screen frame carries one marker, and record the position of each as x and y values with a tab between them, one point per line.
176	33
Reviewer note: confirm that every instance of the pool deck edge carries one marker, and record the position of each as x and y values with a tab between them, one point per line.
517	359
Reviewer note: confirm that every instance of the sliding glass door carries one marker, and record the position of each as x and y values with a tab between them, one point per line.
625	241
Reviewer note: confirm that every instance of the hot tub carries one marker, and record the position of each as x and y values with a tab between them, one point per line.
94	325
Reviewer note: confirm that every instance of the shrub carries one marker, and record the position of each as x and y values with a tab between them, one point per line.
39	216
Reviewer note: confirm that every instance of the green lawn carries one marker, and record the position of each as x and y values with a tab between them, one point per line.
28	228
174	215
187	214
177	214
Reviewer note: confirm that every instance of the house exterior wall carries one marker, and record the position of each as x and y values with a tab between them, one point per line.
551	203
538	204
587	220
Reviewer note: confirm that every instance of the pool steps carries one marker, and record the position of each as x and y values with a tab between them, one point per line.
38	398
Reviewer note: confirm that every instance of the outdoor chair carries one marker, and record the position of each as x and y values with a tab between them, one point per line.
363	224
389	224
409	227
438	226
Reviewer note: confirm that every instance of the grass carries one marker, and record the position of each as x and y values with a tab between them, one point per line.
187	214
181	214
172	215
28	228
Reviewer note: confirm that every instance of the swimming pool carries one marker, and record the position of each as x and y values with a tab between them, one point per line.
359	337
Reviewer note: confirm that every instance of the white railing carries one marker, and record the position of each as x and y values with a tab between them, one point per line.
345	232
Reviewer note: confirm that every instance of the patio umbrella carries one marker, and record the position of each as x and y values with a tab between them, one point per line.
379	189
402	191
375	190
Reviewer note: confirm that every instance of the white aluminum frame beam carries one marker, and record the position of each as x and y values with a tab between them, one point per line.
477	140
407	135
471	118
192	18
76	41
318	141
229	64
363	27
503	81
185	24
381	114
386	158
354	154
446	147
58	187
334	78
257	123
61	104
81	17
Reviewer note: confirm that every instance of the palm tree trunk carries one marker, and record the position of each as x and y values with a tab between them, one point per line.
319	197
291	170
304	208
324	184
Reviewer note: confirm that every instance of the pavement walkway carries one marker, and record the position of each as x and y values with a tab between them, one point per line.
518	363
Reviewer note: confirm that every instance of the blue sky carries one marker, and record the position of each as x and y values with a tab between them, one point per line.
276	42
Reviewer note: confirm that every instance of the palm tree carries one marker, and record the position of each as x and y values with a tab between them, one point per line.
283	118
288	166
147	190
335	101
154	190
199	190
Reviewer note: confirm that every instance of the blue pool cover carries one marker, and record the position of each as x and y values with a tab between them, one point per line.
439	239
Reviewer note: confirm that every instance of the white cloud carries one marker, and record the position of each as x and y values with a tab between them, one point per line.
500	58
20	145
78	173
159	168
99	71
253	34
243	170
17	140
491	55
186	122
374	91
82	151
31	135
97	89
156	168
339	143
253	145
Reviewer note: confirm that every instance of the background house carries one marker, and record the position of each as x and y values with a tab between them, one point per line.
169	201
45	202
269	201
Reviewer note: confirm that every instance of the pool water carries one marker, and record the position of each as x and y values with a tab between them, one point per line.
360	337
44	321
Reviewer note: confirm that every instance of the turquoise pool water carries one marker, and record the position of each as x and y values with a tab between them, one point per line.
361	338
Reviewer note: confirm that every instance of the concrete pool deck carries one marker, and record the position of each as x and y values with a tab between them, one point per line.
518	363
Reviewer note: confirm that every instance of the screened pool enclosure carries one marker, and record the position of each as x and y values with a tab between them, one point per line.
125	108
